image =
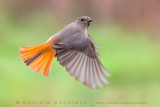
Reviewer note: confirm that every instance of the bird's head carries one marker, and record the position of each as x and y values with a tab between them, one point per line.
84	21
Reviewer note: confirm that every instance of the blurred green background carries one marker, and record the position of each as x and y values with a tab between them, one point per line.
127	31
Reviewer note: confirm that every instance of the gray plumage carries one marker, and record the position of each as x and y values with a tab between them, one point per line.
76	51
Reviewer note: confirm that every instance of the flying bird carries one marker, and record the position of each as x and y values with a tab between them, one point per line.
74	49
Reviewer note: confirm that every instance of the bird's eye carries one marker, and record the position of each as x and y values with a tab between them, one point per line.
82	20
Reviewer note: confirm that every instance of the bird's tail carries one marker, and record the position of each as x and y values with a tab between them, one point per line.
38	57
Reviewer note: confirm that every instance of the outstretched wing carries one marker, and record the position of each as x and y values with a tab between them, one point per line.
81	61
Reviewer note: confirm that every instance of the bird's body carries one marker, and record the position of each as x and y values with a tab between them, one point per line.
74	49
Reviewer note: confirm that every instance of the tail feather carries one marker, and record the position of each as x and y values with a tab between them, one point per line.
31	59
32	47
29	53
48	64
38	61
28	56
38	57
41	64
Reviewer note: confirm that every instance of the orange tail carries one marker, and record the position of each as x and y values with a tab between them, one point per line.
38	57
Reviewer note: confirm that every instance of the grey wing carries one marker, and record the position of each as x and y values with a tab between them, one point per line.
81	61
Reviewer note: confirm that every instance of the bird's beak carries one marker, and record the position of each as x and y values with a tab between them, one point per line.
88	21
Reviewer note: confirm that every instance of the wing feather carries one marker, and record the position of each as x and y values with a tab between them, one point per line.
93	82
81	60
78	69
98	81
102	77
72	70
82	75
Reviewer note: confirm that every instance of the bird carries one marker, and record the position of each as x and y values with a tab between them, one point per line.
74	49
